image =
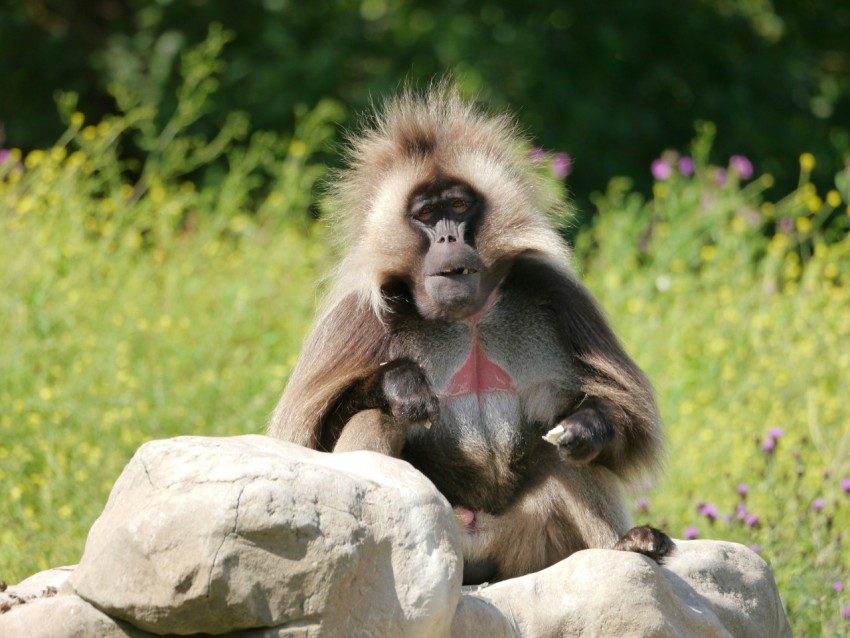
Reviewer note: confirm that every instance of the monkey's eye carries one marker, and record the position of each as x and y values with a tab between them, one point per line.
460	206
424	213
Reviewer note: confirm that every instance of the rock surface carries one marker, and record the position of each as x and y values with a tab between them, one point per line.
41	585
709	589
250	537
216	535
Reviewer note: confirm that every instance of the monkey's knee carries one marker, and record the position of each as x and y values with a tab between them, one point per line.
647	541
374	431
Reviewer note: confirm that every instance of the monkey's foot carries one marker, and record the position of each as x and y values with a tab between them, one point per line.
647	541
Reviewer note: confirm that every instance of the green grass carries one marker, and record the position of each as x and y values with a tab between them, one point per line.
138	310
108	343
739	311
135	310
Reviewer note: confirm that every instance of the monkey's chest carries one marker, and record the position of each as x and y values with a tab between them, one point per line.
500	382
500	373
477	376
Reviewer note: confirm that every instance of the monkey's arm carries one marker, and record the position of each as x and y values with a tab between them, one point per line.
616	422
341	355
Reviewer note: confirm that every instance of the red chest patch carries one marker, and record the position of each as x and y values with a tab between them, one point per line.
479	373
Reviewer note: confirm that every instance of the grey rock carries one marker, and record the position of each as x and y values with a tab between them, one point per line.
251	537
41	585
706	588
63	616
213	535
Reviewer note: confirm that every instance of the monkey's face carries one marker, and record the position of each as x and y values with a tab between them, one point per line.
453	283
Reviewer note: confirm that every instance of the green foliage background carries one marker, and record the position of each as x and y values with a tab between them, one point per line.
160	260
609	82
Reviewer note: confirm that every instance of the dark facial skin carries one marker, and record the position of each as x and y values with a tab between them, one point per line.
454	282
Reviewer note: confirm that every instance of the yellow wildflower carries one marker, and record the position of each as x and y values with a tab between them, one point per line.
739	225
297	148
833	198
35	158
814	203
807	162
58	153
803	224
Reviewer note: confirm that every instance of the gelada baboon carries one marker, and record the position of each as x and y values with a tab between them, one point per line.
456	337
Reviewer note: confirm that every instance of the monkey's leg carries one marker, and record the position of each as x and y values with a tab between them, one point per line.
372	430
589	434
565	508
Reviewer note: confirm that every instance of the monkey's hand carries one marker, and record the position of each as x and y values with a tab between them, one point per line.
582	435
408	393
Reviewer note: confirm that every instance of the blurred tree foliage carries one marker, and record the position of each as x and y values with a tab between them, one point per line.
612	83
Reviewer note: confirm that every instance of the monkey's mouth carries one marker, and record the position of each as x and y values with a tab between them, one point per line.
454	289
455	271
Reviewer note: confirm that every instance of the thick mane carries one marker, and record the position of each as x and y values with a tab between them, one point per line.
401	145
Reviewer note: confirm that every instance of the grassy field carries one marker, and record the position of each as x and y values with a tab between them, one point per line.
134	311
739	311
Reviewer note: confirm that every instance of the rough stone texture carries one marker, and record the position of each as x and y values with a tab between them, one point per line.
63	616
706	588
251	537
215	535
40	585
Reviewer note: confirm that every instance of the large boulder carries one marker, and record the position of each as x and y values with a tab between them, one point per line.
215	535
255	538
709	589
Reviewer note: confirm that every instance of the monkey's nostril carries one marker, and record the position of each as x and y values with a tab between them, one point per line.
452	239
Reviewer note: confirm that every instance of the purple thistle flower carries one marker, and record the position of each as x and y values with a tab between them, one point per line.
775	433
741	511
768	445
837	586
661	170
686	165
756	548
818	504
846	612
691	533
752	520
709	510
742	166
742	490
845	485
562	164
4	155
642	504
537	155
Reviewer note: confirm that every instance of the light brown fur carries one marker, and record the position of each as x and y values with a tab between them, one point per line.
534	504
